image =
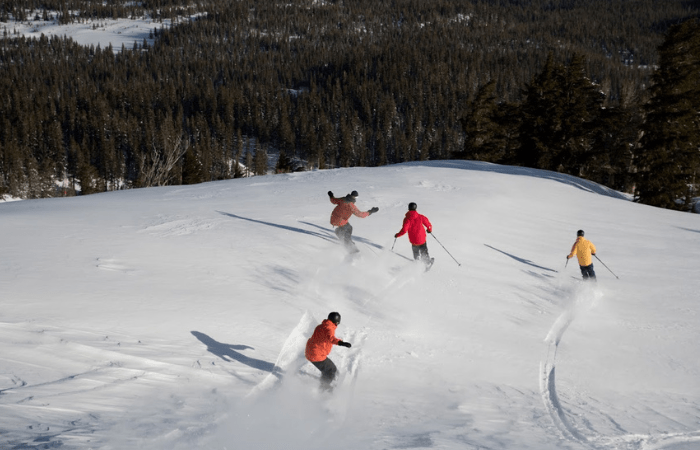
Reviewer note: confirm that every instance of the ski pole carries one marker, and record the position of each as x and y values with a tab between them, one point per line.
596	257
392	245
567	263
445	249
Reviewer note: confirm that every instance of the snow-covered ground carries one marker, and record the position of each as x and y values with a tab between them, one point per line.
174	318
102	32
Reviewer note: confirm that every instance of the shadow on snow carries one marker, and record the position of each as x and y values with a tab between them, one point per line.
524	261
44	442
228	352
326	235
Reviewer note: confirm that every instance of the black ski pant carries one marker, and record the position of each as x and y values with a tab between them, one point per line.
420	252
344	234
588	272
328	372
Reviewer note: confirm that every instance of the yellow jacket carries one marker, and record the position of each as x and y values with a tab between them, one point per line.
583	249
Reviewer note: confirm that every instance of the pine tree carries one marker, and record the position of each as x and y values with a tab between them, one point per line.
541	118
248	160
482	140
260	160
668	159
284	164
192	170
581	110
559	118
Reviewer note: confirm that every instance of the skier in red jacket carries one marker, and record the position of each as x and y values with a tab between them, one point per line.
345	207
413	223
319	346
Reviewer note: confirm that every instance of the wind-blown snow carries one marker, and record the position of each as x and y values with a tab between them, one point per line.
175	317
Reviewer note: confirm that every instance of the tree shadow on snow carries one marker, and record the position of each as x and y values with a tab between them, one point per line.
689	229
524	261
228	352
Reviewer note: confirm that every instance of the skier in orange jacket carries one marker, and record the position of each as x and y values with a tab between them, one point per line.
345	207
583	249
413	223
319	346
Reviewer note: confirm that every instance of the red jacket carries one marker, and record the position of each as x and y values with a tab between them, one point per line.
321	342
343	211
413	223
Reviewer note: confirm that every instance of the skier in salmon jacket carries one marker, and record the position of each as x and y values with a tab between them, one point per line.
413	223
583	249
319	346
345	207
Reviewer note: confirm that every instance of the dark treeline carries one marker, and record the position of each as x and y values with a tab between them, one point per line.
559	85
79	11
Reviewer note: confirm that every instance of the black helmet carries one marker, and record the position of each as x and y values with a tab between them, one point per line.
354	193
334	317
579	233
412	206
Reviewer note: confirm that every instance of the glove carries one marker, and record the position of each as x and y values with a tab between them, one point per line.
396	235
430	231
345	344
373	210
330	193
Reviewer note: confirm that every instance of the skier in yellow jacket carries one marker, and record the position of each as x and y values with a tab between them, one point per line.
583	249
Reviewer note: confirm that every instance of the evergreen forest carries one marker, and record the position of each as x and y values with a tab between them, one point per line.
608	90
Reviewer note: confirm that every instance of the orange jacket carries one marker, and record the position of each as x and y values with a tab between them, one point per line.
321	342
344	210
583	249
414	223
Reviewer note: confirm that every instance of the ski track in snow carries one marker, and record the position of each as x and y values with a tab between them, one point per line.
113	265
292	367
561	417
175	226
51	407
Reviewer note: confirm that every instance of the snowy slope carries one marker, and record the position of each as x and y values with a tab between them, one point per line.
104	32
174	318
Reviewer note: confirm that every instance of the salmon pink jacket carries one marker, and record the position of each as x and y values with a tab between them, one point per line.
344	210
321	342
413	223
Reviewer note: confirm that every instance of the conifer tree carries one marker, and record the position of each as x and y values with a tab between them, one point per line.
581	109
284	164
668	159
192	170
482	140
260	160
559	118
248	160
541	118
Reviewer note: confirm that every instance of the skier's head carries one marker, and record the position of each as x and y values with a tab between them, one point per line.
579	233
334	317
351	197
412	206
